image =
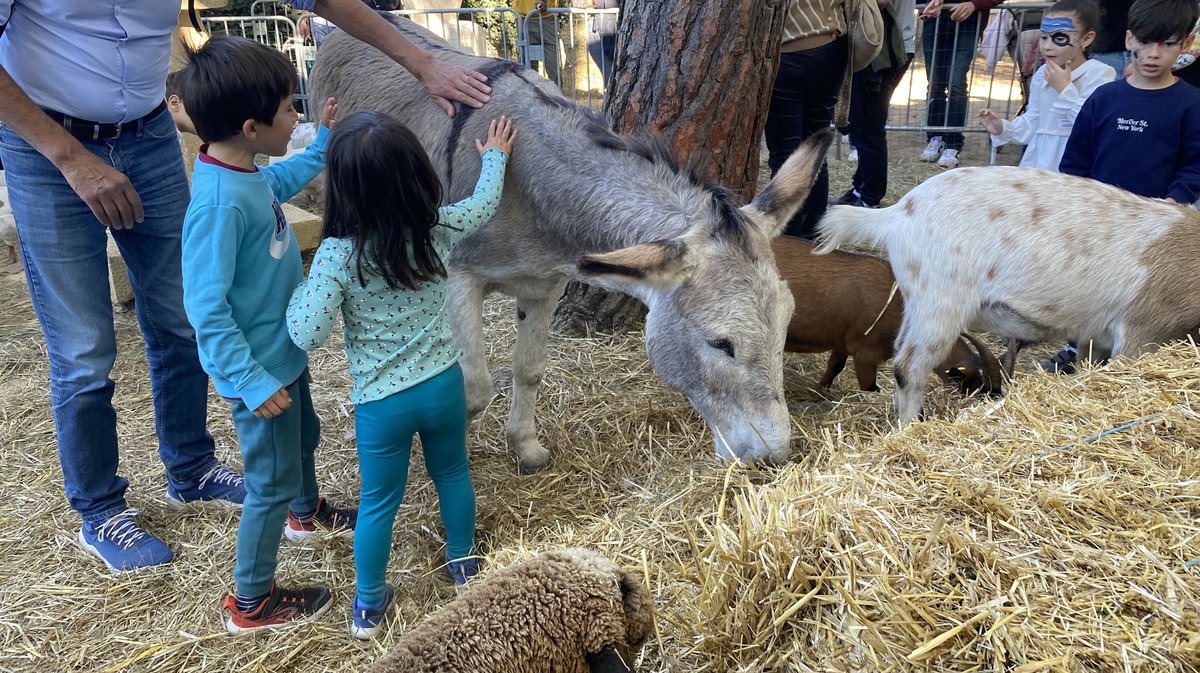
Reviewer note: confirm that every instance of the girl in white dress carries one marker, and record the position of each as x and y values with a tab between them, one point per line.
1058	88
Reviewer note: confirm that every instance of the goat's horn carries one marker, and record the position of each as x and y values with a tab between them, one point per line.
991	366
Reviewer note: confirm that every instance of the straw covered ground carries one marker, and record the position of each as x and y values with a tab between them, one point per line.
989	538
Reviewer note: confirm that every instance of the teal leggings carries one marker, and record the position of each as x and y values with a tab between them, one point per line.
436	409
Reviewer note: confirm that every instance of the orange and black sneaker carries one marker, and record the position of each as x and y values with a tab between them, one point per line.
326	518
281	607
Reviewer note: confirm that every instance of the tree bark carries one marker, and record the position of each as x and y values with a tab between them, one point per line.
700	75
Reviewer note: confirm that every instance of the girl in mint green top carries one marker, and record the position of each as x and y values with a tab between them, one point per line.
381	266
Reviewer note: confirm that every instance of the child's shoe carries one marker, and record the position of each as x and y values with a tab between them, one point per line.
462	570
326	518
853	156
366	619
281	607
1063	362
949	159
122	544
933	150
220	485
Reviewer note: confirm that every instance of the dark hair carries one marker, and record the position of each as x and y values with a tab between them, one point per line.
1087	11
381	191
1153	21
231	79
173	84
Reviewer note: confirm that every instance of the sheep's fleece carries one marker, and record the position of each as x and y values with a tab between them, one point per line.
565	611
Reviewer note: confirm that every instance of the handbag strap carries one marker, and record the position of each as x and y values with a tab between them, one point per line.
841	111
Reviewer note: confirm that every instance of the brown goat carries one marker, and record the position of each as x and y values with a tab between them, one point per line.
839	296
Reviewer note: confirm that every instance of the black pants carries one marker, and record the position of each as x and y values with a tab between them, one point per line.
802	101
870	99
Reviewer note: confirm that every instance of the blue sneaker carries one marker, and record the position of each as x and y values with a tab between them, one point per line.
462	570
367	619
219	485
122	544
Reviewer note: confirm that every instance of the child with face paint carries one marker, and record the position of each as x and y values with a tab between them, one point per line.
1142	132
1058	88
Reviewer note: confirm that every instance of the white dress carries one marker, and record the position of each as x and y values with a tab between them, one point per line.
1047	122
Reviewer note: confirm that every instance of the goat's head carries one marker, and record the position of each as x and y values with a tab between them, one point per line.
972	371
718	309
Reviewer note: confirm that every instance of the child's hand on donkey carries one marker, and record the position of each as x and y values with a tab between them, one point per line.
329	113
275	404
501	135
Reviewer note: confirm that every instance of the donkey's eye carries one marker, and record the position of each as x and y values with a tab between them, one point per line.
722	345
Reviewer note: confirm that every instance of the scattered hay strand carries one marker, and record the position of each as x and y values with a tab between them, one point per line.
1054	530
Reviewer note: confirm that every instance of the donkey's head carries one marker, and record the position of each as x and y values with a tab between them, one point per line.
718	309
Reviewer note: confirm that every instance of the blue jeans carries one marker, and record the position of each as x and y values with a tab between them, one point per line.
803	96
436	409
1117	60
278	458
64	249
949	48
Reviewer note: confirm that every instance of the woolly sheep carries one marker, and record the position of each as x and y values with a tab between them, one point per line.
1031	255
567	611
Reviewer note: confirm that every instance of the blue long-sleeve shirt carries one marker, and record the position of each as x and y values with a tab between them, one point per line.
1146	141
240	264
395	338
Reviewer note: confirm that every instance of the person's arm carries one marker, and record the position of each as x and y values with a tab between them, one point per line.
1022	128
286	178
316	302
210	247
106	191
444	81
467	215
1185	188
1079	155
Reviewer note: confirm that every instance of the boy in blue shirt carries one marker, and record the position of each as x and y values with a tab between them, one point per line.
240	264
1142	133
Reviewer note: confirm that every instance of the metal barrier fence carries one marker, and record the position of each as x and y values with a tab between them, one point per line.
983	63
575	48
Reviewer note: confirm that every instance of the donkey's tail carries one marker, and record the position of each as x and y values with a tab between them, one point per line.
851	224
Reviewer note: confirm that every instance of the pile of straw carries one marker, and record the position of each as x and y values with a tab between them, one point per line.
988	538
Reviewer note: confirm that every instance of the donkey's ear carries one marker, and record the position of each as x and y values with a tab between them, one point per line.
776	203
655	266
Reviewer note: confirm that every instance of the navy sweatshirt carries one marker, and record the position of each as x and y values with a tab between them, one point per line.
1143	141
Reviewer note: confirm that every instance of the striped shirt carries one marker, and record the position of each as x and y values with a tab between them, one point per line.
813	23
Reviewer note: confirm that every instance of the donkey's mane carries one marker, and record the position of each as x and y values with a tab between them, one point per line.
654	149
651	148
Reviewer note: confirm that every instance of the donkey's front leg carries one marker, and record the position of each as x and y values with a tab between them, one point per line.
464	307
529	365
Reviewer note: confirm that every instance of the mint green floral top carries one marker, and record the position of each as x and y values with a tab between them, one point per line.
395	339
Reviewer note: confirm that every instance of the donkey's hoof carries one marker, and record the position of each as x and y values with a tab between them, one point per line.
532	459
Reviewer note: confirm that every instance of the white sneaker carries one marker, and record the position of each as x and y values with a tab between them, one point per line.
853	156
949	159
932	150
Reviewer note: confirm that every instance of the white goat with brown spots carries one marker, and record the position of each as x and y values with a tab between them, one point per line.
1032	255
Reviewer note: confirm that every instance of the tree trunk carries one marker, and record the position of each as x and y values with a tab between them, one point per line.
700	75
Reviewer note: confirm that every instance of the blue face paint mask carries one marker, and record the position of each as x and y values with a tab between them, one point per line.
1059	30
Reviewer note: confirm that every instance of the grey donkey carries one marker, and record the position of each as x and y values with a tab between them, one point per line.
583	202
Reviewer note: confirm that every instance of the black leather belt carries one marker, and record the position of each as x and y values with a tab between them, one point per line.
84	129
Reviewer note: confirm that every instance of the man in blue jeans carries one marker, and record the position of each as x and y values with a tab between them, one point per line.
87	143
949	39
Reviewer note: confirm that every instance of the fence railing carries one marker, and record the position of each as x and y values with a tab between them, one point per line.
575	48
